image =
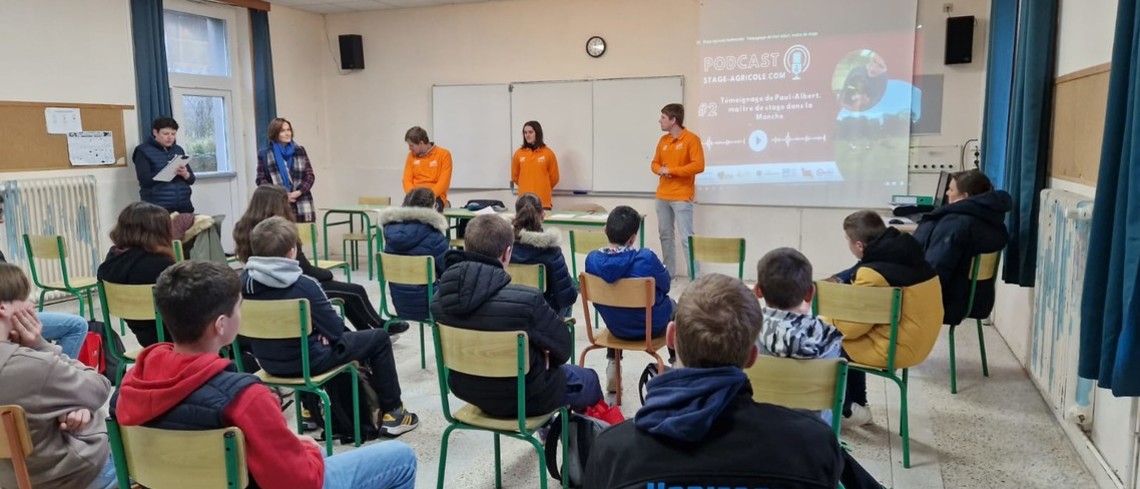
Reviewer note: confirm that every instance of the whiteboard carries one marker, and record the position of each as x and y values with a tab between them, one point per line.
565	111
626	130
474	123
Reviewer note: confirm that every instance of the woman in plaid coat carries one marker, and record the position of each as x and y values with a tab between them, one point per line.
286	164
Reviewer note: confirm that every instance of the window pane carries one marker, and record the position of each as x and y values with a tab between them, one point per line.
195	44
202	132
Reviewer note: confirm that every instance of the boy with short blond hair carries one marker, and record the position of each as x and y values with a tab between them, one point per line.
62	398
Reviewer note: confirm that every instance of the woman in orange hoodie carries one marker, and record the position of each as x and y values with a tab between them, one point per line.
534	168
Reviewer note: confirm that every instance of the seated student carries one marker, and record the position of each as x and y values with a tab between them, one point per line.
143	248
415	229
66	330
621	260
62	398
272	273
888	258
699	425
971	223
535	246
187	386
475	292
273	200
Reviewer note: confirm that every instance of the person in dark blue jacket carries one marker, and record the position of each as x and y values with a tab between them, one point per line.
621	260
272	273
151	157
536	246
972	223
416	229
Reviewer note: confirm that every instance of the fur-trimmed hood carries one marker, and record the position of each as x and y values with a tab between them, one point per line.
420	214
547	238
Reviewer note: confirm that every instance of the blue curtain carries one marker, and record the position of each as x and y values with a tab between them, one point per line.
151	80
1110	305
1030	124
264	95
999	84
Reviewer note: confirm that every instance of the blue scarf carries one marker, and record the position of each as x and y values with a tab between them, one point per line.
284	156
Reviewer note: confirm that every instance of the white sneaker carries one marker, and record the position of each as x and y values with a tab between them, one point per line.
860	416
611	377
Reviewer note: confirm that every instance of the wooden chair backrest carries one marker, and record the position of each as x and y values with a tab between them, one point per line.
275	320
16	442
627	292
483	353
870	305
407	270
528	275
131	302
46	247
795	383
985	265
374	200
181	458
718	250
584	242
307	233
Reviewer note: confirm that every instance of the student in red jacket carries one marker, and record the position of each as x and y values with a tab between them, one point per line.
187	386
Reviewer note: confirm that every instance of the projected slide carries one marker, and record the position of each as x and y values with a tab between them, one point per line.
805	104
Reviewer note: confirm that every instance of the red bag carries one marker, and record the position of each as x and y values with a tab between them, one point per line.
605	412
91	354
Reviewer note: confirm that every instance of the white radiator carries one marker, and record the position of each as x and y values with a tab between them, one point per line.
64	206
1063	239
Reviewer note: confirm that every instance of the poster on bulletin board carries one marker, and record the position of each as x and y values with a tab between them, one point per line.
87	148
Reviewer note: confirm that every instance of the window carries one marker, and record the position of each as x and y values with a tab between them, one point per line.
202	62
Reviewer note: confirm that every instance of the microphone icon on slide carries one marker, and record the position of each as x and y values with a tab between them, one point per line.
796	60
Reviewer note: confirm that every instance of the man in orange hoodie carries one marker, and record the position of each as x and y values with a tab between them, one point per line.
187	386
427	165
678	160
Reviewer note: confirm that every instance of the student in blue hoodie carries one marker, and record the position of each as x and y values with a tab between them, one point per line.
621	260
537	246
273	273
415	229
699	426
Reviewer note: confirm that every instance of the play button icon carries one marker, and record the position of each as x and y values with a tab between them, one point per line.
758	140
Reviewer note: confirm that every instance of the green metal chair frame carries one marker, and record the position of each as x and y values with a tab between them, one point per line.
58	252
179	254
156	462
125	312
483	353
372	234
266	320
311	239
404	266
523	275
983	267
868	305
720	250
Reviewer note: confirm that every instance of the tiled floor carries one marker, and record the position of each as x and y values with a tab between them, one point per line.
995	433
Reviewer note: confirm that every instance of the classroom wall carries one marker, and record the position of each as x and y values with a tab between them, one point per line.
300	59
1085	38
409	50
67	51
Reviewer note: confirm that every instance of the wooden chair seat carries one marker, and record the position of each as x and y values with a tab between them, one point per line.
455	243
327	264
132	355
76	283
863	366
606	339
317	379
354	237
474	416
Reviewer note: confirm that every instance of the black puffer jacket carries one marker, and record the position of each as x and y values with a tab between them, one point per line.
545	248
475	293
951	236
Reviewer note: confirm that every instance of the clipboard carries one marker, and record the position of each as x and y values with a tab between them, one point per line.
168	172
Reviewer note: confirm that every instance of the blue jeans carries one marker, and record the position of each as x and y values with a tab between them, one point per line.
107	477
68	330
681	213
582	387
385	465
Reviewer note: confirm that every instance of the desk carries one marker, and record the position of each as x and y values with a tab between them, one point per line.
368	212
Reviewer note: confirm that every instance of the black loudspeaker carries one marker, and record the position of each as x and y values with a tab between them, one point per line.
959	40
352	52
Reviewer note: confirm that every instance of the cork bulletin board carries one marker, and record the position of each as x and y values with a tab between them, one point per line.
25	144
1079	105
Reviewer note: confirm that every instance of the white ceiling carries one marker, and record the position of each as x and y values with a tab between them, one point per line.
344	6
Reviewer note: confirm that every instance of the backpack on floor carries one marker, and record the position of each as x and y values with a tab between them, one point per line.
584	431
646	375
339	390
94	351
